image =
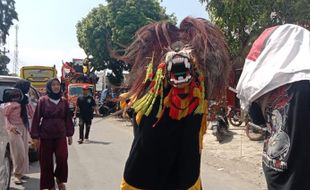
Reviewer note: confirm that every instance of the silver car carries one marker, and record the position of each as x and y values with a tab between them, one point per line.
7	83
5	158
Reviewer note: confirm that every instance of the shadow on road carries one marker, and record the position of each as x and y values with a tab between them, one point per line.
228	139
34	167
31	183
99	142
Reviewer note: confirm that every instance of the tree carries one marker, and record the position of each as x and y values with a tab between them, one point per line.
243	20
114	25
92	33
7	15
116	77
292	11
126	17
4	60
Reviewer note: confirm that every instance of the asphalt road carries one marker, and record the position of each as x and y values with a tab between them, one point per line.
99	164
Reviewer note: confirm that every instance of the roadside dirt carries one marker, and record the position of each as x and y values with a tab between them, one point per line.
236	156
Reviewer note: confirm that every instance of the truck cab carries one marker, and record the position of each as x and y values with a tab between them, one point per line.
76	75
38	76
75	90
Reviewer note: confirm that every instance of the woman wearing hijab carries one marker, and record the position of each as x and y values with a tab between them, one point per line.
24	86
17	129
51	126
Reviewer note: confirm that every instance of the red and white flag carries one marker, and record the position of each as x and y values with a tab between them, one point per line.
280	55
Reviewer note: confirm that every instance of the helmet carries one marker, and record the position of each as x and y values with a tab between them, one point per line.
85	87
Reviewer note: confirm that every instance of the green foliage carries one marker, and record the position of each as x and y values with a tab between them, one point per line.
126	17
243	20
7	15
114	25
92	33
4	60
116	77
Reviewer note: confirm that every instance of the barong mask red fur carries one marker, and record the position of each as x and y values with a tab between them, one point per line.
164	56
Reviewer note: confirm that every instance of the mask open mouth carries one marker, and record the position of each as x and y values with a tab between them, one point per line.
179	70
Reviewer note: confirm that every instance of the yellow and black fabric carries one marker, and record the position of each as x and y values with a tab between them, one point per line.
166	156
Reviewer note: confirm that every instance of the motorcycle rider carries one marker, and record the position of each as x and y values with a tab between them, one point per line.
108	101
219	122
104	94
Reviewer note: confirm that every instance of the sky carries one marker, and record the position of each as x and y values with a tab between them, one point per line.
47	34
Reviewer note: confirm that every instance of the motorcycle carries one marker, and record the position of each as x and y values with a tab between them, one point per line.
234	112
234	116
108	107
219	125
253	131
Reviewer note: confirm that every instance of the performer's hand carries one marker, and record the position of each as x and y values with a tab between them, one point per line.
69	140
36	143
15	131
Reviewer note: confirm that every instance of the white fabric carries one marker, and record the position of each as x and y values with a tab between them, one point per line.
285	59
54	101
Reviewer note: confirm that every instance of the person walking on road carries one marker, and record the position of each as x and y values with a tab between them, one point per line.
86	106
18	132
51	127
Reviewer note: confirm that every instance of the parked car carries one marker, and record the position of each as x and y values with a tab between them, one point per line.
5	157
7	83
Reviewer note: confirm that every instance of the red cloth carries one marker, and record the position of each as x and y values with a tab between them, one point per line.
51	120
260	43
66	70
48	147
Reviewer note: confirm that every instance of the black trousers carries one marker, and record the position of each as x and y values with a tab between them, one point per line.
82	123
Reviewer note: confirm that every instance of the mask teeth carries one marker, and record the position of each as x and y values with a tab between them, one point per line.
169	66
181	80
187	63
179	60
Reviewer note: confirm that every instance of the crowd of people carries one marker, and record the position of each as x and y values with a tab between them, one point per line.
275	80
47	125
17	113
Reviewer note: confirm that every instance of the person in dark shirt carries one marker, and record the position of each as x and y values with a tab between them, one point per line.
275	82
51	126
87	105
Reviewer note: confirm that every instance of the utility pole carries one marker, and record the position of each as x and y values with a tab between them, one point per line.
15	63
4	51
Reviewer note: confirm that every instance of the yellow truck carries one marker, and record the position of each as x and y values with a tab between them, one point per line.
38	76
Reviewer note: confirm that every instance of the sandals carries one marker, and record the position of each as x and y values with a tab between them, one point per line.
18	181
61	186
24	177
